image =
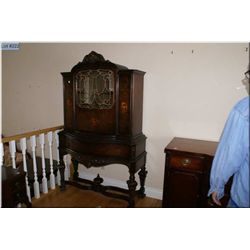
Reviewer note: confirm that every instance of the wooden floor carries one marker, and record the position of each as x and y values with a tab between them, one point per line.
78	198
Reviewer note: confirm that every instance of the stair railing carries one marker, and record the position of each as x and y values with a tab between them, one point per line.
36	139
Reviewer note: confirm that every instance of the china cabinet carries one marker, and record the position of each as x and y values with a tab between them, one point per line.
103	107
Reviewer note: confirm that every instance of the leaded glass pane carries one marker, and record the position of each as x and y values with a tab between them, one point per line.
95	89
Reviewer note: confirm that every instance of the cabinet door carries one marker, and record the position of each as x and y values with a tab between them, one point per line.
182	189
95	101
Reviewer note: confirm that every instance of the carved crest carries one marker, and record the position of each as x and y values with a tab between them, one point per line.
93	57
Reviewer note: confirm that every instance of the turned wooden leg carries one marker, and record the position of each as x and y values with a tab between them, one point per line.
131	187
142	175
61	168
75	165
97	183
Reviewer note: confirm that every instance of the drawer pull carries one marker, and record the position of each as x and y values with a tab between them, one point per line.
185	162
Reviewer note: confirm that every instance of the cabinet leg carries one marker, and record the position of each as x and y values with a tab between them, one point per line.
131	187
142	175
61	168
75	174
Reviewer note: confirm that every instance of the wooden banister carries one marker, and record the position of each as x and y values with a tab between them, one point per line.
28	134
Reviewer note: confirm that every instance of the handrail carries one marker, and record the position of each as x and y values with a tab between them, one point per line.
28	134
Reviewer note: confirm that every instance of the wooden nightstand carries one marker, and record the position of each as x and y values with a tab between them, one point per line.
187	171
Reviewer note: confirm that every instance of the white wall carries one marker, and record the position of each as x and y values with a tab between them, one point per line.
186	94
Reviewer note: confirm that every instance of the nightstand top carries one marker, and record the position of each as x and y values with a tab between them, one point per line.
192	146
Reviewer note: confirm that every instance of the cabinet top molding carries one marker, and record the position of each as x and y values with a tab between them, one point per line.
93	57
95	60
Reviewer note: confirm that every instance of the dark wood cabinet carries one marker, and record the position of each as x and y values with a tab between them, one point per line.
103	106
187	172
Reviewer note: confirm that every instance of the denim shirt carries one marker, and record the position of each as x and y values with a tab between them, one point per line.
232	156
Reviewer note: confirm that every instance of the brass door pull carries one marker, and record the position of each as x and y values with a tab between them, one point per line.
185	162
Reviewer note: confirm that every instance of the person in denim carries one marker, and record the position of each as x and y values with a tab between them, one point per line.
232	158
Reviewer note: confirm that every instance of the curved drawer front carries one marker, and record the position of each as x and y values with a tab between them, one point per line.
100	149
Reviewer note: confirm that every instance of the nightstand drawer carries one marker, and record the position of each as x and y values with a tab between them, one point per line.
186	162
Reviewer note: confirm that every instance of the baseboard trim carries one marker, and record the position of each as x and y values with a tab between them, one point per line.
150	192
